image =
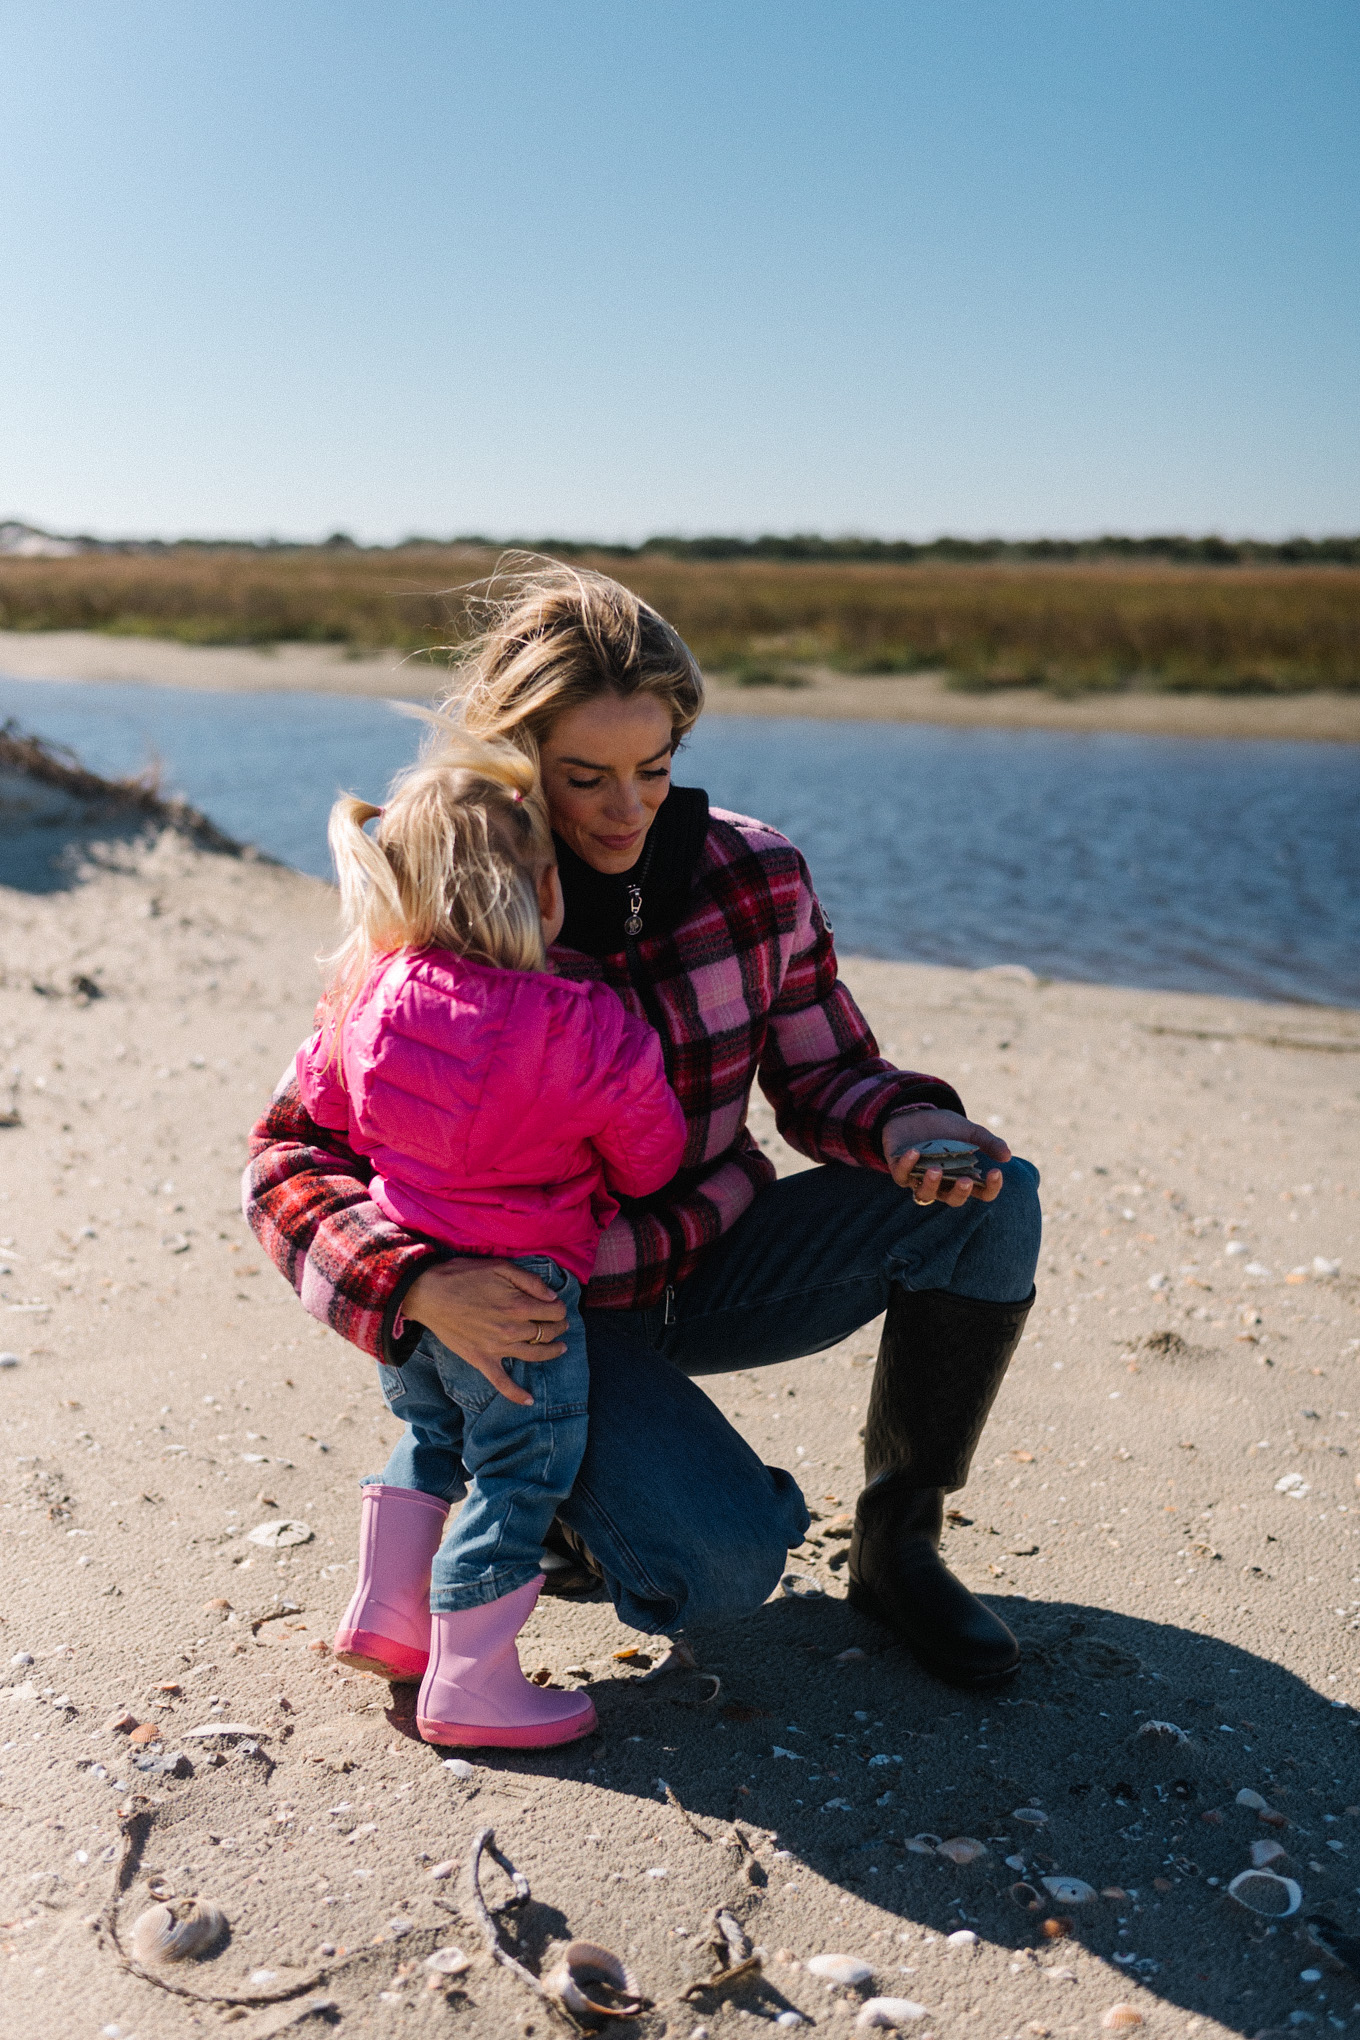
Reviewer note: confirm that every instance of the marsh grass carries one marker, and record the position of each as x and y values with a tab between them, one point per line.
1067	627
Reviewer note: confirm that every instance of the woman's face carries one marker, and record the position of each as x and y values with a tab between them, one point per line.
606	771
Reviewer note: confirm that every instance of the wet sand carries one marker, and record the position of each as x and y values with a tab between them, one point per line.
1164	1505
916	697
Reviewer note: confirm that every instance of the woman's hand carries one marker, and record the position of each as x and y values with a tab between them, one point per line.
906	1134
486	1312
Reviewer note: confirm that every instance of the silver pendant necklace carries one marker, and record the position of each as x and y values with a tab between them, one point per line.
633	925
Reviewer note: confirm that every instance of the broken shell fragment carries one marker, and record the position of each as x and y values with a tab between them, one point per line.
962	1849
1164	1732
889	2012
1057	1929
448	1868
924	1845
963	1938
1261	1891
679	1658
1032	1816
448	1962
799	1587
1263	1854
274	1536
1027	1897
839	1969
177	1929
583	1962
1252	1799
1120	2016
1069	1890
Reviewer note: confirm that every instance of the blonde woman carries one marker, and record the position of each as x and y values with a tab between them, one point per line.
706	924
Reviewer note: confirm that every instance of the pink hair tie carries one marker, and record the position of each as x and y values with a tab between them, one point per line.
517	796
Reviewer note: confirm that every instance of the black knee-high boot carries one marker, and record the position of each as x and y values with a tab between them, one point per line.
940	1363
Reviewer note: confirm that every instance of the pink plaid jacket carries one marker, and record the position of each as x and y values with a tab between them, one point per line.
747	989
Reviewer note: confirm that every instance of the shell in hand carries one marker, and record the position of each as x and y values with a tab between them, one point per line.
177	1929
583	1962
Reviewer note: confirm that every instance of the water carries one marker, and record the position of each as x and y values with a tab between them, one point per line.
1167	862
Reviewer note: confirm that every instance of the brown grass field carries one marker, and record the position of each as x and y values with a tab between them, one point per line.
1064	627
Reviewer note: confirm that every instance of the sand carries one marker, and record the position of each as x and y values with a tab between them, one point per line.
1165	1506
915	697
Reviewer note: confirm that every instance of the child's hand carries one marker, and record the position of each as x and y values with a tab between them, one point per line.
487	1311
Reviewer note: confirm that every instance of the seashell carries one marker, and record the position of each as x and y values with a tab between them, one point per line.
210	1729
962	1849
448	1868
1032	1816
448	1962
1027	1897
177	1929
888	2012
679	1658
1119	2016
849	1657
145	1732
799	1587
1263	1854
583	1962
1261	1891
839	1969
1069	1890
924	1845
1163	1732
1056	1929
460	1768
1115	1891
1252	1799
275	1536
1273	1817
963	1937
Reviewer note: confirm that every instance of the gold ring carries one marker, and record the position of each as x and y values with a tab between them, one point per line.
537	1339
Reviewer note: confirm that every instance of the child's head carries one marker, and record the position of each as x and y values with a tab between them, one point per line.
462	859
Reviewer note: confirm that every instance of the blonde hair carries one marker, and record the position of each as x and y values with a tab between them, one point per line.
555	636
453	864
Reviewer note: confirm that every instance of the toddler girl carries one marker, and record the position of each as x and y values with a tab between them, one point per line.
499	1107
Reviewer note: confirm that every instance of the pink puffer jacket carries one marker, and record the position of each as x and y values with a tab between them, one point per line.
499	1107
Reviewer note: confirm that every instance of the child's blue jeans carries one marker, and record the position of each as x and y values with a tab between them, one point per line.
515	1464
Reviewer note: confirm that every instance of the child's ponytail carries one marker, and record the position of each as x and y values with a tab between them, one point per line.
453	864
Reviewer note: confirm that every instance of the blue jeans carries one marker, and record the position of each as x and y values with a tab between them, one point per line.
516	1465
681	1515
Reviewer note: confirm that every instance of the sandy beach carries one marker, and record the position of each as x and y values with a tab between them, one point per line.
1165	1506
913	697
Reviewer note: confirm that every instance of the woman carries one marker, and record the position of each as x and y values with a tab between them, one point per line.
707	923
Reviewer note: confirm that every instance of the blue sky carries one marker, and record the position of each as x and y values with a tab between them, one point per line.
612	267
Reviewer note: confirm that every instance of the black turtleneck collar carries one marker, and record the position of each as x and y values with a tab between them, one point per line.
600	903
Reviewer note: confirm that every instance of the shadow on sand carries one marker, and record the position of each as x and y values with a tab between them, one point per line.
847	1762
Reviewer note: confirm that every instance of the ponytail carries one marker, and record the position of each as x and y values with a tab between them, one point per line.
453	863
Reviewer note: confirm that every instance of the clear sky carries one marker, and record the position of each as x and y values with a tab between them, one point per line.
613	267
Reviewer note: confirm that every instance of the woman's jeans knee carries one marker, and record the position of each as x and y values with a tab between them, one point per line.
515	1464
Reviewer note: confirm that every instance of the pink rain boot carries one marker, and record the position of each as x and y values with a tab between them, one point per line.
474	1694
386	1627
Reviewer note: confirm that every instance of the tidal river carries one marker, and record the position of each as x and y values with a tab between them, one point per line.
1216	866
